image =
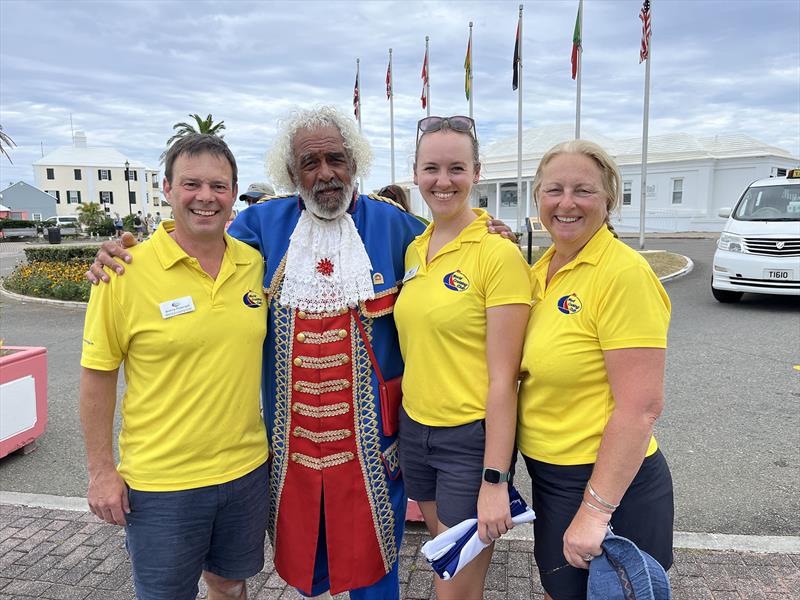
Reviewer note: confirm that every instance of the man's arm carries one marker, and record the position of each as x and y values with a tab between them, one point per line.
107	494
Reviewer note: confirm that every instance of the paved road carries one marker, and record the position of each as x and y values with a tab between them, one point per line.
731	427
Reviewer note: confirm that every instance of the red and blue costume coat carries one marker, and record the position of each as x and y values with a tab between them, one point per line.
330	458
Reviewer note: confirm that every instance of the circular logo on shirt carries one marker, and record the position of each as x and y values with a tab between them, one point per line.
252	299
570	304
456	281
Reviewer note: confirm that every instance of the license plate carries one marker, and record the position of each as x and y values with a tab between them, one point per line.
778	274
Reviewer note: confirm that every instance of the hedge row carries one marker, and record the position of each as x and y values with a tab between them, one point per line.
16	223
61	254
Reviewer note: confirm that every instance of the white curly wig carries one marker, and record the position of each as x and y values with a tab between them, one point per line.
280	158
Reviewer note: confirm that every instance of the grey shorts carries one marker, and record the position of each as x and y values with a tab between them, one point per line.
443	464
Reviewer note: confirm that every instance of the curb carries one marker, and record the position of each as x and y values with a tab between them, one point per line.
21	298
680	272
762	544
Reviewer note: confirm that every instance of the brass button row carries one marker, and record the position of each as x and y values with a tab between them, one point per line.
342	333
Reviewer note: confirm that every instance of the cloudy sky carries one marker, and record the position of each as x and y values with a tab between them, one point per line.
127	71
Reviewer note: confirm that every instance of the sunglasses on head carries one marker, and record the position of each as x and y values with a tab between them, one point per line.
456	123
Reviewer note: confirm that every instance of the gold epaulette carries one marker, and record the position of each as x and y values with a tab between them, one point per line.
387	200
268	198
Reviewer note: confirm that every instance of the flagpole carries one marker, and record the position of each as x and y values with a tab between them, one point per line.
520	208
471	88
358	86
428	80
391	110
579	74
645	121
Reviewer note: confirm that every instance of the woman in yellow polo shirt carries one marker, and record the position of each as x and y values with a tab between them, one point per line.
593	367
460	318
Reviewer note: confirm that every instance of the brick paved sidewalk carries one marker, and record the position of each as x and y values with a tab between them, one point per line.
66	555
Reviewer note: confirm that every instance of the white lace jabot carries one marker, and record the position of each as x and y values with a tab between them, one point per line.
327	267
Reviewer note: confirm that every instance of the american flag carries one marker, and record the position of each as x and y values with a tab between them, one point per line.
644	15
356	99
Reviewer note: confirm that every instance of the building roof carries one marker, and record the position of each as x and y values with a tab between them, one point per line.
660	148
81	155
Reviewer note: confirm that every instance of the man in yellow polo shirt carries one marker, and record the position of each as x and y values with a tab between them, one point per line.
191	484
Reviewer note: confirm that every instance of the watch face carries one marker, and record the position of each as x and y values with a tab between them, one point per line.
491	475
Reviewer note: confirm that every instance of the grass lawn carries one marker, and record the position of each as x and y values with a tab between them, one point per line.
663	263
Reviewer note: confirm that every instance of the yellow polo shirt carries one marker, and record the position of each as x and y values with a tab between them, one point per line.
607	298
441	320
192	351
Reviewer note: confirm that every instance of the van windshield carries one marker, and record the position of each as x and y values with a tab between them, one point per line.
773	203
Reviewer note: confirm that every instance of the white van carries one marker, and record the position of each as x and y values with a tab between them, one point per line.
759	248
62	221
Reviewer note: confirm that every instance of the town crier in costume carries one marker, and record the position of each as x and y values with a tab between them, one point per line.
337	504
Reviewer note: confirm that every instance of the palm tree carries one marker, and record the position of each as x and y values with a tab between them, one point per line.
90	215
5	140
206	125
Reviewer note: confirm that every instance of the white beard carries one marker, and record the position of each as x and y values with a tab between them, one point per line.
324	211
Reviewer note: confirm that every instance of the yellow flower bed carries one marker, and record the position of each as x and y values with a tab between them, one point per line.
44	279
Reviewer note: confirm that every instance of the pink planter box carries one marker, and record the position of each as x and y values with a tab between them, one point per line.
23	397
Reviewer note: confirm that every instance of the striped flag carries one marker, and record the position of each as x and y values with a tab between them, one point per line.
576	42
356	100
424	97
468	68
517	59
389	80
644	15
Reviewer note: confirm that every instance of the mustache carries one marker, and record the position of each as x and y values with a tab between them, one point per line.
322	186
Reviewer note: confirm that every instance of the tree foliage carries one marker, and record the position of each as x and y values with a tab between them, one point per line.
200	125
6	143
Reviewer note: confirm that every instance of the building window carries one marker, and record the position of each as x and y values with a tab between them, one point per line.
508	194
73	197
155	183
51	173
77	174
626	193
130	175
677	191
36	217
483	202
104	174
106	197
54	194
132	197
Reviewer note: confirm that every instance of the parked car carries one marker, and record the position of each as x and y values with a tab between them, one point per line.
759	248
68	224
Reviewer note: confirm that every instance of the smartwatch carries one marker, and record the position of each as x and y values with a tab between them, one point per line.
491	475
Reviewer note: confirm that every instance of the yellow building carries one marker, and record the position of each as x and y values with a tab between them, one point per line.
80	174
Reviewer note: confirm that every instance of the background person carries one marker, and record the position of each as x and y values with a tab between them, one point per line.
460	317
191	426
396	193
256	192
594	364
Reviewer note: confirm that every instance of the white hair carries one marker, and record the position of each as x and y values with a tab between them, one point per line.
281	159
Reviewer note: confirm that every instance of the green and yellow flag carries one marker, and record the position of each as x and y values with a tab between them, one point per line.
468	68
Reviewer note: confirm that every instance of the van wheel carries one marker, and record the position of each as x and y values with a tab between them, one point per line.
726	296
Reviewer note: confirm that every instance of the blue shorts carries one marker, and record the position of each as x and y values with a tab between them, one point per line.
645	516
444	464
172	537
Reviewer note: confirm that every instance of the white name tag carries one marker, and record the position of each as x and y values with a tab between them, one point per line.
410	273
173	308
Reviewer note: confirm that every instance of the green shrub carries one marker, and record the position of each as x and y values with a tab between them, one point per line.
105	227
15	223
60	254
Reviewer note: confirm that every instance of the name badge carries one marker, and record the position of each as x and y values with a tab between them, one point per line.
410	273
173	308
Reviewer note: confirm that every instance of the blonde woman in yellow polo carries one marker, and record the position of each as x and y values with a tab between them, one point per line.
593	368
460	317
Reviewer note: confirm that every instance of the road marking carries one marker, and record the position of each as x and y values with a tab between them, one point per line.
768	544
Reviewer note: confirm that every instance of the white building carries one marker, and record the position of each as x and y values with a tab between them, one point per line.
688	178
81	174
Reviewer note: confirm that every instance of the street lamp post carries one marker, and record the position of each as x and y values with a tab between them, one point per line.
128	181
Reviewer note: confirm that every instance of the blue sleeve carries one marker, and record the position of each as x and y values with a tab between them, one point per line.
246	227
